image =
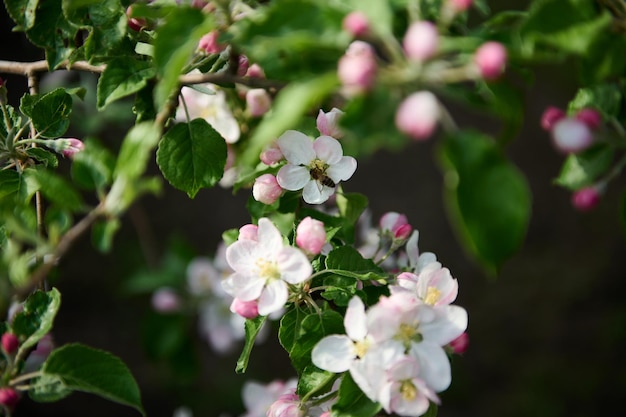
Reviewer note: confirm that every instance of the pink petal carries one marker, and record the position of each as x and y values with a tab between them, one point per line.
328	149
297	147
293	177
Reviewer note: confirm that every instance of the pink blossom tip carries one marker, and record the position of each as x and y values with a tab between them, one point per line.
243	64
70	147
356	24
135	23
311	235
328	123
258	102
421	41
590	117
459	5
208	43
586	199
246	309
490	58
550	116
266	189
248	232
271	154
460	344
418	114
10	343
9	397
255	71
357	68
571	135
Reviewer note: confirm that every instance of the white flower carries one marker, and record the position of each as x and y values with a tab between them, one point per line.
316	167
257	397
211	107
264	267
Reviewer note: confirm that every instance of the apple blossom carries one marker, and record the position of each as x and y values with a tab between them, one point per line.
357	68
433	285
10	343
264	267
591	117
165	300
357	24
39	355
311	235
586	199
571	135
257	397
258	102
316	167
550	116
421	41
391	221
202	276
266	189
328	123
418	114
287	405
490	59
219	327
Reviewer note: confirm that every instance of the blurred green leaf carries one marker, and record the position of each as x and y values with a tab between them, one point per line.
103	232
136	150
47	158
35	321
192	156
55	188
92	168
488	198
580	170
352	402
351	206
605	98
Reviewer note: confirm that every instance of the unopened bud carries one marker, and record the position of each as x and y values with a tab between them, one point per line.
357	68
271	154
255	71
459	5
287	405
550	116
266	189
421	41
208	43
571	136
258	102
403	232
356	24
9	397
590	117
135	23
418	114
586	199
328	123
10	343
242	65
165	300
460	344
248	232
246	309
490	59
67	147
311	235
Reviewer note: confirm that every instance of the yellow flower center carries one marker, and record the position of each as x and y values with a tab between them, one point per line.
361	348
318	165
268	270
408	390
432	296
408	333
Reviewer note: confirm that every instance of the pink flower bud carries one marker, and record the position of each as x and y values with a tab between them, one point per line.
255	71
258	102
418	114
266	189
271	154
459	5
242	65
165	300
246	309
311	235
391	221
356	24
10	343
586	199
328	123
9	397
357	68
135	23
287	405
550	116
199	4
590	117
460	344
403	232
248	232
71	147
208	43
490	59
571	135
421	41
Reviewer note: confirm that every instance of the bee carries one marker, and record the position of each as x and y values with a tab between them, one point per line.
318	175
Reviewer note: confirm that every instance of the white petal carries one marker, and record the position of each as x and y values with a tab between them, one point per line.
241	255
297	147
434	365
328	149
450	323
333	353
412	251
293	265
270	240
293	177
316	193
246	287
273	297
355	320
342	170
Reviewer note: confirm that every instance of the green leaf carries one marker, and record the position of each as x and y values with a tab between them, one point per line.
580	170
35	321
340	289
51	113
293	102
606	98
49	159
121	78
314	382
488	198
136	149
348	259
605	58
48	388
175	42
103	232
55	188
311	330
9	182
352	402
22	12
289	329
82	368
253	327
192	156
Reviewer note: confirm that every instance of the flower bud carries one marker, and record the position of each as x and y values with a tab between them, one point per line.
266	189
459	5
590	117
550	116
248	232
242	65
311	235
357	68
246	309
490	59
356	24
403	232
586	199
328	123
571	135
208	43
135	23
67	147
10	343
271	154
391	221
287	405
165	300
421	41
9	397
460	344
258	102
255	71
199	4
418	114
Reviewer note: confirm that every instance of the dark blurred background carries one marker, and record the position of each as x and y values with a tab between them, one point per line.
547	337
